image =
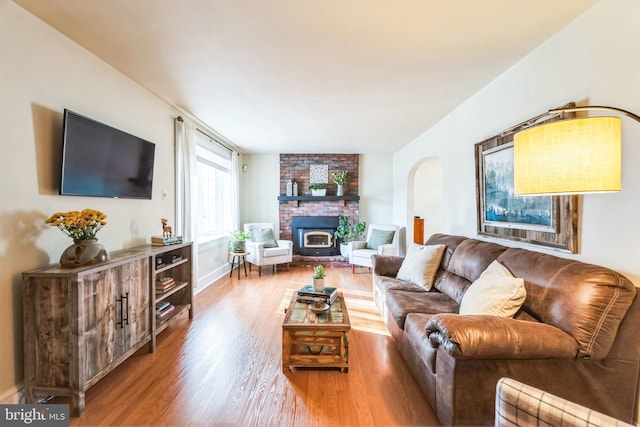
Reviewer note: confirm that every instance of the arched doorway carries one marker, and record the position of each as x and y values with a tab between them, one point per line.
424	196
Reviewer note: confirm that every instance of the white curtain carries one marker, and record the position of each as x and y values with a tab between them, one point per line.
186	203
235	189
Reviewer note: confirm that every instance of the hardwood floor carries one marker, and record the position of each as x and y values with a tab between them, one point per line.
224	366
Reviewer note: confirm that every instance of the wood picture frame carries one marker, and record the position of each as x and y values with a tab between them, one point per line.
550	221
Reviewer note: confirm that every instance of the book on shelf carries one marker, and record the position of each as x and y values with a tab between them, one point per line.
164	284
162	305
163	241
309	295
160	291
166	311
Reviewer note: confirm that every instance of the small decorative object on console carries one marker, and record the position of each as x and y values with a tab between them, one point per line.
82	227
171	258
166	229
167	237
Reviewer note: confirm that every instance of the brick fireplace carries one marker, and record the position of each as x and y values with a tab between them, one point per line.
297	168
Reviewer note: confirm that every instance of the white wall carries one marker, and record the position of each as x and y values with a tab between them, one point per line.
260	185
427	196
596	61
376	188
41	74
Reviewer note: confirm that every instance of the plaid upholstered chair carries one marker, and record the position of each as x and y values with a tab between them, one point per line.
521	405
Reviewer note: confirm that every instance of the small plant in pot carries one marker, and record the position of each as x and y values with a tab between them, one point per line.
347	233
318	189
340	179
318	278
237	241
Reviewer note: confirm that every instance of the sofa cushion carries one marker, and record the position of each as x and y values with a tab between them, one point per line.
385	284
265	237
363	253
415	328
585	300
495	292
421	264
469	259
277	251
379	237
400	303
450	242
472	257
451	285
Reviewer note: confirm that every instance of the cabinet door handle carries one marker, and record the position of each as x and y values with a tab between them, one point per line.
124	318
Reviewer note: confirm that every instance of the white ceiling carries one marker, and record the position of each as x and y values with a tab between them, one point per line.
324	76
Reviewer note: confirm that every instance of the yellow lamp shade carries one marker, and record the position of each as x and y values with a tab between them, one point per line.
569	157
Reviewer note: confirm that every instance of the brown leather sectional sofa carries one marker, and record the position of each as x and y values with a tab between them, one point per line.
576	336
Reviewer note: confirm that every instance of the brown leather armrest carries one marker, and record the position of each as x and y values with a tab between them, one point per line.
386	265
492	337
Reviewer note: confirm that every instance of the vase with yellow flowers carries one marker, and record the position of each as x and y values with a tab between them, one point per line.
82	227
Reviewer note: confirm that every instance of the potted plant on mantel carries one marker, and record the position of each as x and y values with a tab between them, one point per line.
347	233
318	189
340	179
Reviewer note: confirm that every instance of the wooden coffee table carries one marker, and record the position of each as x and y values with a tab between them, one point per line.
312	340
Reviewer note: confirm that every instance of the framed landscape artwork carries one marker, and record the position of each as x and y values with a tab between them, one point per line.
542	220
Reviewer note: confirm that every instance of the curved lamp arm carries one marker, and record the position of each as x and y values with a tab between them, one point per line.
595	107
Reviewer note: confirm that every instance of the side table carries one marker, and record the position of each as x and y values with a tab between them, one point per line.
242	257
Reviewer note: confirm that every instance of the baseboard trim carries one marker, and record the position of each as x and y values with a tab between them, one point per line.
13	396
211	278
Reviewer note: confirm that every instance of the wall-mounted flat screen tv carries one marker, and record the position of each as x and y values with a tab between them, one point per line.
101	161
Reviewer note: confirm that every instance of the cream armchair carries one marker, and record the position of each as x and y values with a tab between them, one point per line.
264	248
382	239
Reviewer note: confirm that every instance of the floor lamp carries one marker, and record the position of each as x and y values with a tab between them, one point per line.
573	156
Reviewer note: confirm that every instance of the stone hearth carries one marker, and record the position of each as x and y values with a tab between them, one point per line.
326	261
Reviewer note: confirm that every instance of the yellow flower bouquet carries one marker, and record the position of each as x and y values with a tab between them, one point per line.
78	225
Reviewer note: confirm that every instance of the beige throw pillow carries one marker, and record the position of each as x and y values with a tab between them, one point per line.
495	292
420	265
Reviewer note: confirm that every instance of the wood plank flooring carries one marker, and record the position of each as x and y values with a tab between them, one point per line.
224	366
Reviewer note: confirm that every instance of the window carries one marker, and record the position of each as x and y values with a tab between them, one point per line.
213	188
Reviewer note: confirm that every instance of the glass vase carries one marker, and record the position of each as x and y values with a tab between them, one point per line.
84	252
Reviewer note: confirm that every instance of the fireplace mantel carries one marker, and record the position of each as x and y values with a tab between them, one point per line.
298	199
316	198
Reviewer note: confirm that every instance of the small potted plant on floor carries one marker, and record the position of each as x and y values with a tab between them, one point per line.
318	189
318	278
340	179
347	233
237	241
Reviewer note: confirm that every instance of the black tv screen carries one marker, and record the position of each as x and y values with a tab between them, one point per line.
101	161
